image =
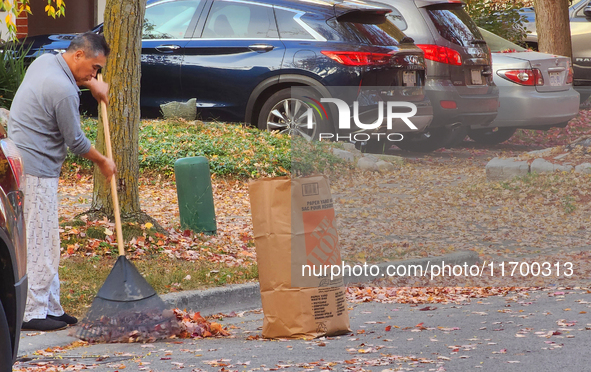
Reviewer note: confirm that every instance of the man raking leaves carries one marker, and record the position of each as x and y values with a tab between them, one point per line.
44	122
126	308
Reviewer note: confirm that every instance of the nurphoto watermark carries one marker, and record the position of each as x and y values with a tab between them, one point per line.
367	114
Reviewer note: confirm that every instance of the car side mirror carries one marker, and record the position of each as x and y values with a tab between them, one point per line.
587	11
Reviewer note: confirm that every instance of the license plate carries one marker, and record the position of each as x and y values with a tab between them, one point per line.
409	78
476	77
555	79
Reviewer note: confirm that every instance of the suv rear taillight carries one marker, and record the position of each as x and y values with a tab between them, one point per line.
358	58
569	77
14	159
530	77
441	54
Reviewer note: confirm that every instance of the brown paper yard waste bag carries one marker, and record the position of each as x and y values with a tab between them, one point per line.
294	225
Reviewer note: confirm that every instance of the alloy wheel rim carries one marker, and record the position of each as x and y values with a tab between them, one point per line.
290	116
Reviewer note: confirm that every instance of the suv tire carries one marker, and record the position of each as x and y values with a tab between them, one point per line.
491	136
5	342
431	139
294	123
373	146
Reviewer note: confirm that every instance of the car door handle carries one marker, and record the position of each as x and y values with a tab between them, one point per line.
167	48
261	48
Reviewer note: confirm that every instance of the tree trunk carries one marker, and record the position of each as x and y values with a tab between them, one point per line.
553	27
123	25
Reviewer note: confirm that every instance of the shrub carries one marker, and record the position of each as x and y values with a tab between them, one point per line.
232	150
12	71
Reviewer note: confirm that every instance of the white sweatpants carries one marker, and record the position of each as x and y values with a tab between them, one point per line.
43	248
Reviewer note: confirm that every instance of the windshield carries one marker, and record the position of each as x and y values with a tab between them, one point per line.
497	44
454	24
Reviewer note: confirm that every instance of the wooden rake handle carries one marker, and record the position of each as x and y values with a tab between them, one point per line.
113	182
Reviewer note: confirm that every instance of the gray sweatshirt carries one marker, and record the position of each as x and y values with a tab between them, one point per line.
44	118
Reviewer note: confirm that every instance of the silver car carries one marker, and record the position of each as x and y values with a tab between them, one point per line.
580	28
535	91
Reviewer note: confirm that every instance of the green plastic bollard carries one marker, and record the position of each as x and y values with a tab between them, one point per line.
195	196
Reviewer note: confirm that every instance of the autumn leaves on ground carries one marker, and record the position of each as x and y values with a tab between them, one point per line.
430	205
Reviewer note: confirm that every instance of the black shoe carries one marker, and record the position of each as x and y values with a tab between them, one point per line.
64	318
43	325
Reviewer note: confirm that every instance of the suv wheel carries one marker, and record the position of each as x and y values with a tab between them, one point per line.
491	136
286	114
5	342
432	139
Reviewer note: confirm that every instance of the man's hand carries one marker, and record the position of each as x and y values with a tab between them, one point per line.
99	90
106	165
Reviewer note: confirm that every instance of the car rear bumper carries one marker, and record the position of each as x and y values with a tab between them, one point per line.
525	107
474	105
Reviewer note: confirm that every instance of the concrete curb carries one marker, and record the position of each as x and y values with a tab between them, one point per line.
504	169
237	297
499	169
366	161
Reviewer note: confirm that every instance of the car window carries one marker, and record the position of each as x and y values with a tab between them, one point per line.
581	12
169	20
454	24
233	20
382	34
290	26
497	44
395	17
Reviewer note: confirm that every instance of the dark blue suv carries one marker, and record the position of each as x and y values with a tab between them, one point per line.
239	59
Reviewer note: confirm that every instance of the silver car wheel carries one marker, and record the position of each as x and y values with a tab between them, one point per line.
290	116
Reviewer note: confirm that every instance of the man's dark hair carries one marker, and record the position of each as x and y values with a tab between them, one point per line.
92	44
